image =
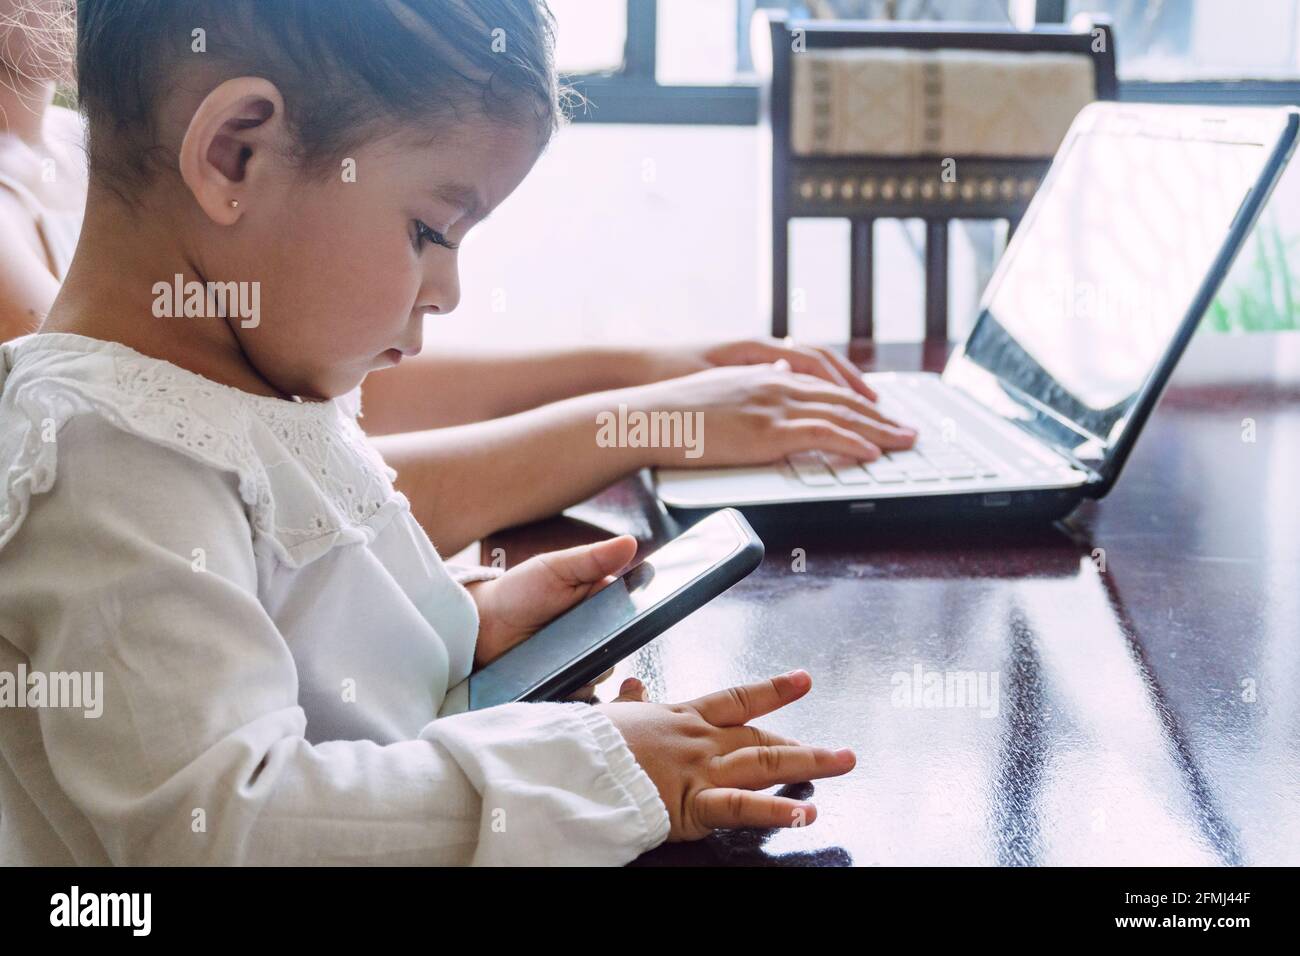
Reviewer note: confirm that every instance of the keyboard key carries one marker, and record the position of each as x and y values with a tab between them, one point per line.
943	462
905	459
956	474
847	470
805	457
885	473
921	473
810	468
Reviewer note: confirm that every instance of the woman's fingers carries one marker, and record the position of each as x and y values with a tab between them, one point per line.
808	389
739	705
826	364
815	360
720	808
809	361
757	768
879	434
852	373
818	434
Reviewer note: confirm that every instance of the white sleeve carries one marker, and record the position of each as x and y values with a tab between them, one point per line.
469	574
199	756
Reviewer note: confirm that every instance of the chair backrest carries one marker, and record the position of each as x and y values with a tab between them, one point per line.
871	120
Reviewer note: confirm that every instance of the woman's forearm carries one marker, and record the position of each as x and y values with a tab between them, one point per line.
437	391
468	481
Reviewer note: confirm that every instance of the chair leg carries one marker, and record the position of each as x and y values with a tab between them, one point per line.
936	280
780	277
861	290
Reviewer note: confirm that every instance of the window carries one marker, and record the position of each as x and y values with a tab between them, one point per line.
699	42
1182	40
655	62
707	41
688	61
591	35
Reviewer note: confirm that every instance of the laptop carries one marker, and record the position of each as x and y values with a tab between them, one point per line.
1093	302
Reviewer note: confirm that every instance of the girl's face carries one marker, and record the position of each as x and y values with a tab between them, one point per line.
348	267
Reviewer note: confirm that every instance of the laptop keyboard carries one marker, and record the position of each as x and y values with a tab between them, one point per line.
939	455
928	463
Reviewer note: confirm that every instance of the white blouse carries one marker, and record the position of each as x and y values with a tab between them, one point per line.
275	635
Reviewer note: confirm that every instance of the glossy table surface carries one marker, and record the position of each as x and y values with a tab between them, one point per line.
1116	688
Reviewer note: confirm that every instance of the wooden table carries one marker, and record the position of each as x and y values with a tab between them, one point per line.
1139	661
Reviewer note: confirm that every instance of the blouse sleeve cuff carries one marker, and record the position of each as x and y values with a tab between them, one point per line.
463	575
628	775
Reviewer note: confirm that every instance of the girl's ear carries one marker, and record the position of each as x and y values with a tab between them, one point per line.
233	135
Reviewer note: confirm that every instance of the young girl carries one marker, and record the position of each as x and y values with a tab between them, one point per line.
540	403
191	518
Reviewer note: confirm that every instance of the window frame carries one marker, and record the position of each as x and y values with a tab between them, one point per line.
633	94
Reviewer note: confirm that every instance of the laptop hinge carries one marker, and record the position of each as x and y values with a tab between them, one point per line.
1094	476
1028	401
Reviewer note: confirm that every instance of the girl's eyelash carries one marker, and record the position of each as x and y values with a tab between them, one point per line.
425	234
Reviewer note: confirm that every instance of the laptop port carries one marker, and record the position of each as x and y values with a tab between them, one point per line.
998	499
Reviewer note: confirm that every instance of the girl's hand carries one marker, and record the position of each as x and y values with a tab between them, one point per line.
513	607
822	363
706	762
757	414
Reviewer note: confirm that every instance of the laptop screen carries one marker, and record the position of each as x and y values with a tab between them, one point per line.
1108	264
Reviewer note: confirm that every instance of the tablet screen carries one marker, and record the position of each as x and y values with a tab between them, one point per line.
582	629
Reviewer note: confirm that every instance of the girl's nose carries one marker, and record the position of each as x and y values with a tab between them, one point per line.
441	292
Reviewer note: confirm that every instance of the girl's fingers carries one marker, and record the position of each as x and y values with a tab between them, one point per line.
632	691
747	735
587	693
756	768
722	808
739	705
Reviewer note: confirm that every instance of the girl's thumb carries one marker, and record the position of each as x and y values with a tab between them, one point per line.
595	562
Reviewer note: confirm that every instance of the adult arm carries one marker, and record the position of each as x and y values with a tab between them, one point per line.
471	480
27	289
464	386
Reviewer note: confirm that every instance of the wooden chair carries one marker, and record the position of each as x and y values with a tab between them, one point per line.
864	188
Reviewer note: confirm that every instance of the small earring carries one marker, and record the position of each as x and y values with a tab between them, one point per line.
234	204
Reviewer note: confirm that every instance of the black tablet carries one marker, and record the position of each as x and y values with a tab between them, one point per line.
588	639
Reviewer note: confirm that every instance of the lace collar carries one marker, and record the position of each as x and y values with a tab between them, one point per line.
307	474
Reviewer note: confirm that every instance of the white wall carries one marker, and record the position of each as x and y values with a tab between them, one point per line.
652	233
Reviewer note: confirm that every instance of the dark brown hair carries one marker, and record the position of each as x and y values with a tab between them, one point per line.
344	67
